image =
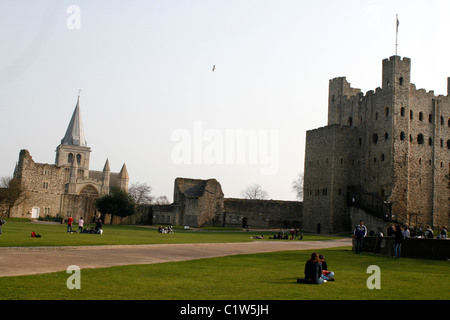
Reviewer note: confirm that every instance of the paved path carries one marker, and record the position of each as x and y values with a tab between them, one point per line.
26	261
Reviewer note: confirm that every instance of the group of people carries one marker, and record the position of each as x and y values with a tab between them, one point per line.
98	229
397	232
316	270
295	234
165	229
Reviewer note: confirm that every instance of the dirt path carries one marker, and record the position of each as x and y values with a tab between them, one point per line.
27	261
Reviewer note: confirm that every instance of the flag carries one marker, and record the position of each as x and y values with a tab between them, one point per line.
398	22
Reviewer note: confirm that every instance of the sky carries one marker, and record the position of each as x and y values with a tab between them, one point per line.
149	97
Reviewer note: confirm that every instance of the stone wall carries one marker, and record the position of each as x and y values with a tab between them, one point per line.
417	248
262	213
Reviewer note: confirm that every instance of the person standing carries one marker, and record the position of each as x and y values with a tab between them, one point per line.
2	222
69	224
80	224
398	240
359	234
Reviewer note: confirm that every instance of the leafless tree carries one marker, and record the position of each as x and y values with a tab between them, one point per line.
254	191
11	193
141	193
297	186
161	200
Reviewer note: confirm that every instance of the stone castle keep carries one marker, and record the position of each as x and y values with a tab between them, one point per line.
384	152
67	187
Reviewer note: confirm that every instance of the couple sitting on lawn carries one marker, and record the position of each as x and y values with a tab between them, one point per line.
316	270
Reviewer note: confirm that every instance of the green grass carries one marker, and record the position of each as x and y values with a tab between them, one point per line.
18	234
267	276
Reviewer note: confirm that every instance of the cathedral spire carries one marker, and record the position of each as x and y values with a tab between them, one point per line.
75	134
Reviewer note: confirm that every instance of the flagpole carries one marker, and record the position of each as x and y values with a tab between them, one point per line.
396	34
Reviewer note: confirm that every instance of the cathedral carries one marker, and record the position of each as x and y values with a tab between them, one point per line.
67	187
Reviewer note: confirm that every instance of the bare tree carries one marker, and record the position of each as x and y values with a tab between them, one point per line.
161	200
11	193
254	191
297	186
140	193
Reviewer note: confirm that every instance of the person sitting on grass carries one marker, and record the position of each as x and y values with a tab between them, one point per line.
313	270
326	275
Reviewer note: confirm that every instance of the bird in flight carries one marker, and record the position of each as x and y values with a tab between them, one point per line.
214	68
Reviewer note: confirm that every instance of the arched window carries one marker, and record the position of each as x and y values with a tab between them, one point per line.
430	141
400	80
402	111
375	138
70	158
386	136
78	158
420	116
411	115
386	111
350	121
448	144
402	136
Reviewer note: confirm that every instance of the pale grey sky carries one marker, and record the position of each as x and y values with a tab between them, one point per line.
145	73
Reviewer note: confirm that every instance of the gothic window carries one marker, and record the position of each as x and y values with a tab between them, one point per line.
420	138
402	136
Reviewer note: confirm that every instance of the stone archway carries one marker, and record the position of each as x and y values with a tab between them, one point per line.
89	191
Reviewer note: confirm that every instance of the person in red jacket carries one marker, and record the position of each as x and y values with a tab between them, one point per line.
69	224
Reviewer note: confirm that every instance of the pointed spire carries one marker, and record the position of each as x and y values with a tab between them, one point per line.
124	172
75	134
106	167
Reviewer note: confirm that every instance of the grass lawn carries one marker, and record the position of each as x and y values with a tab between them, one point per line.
18	234
267	276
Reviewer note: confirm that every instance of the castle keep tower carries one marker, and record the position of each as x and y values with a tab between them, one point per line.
387	151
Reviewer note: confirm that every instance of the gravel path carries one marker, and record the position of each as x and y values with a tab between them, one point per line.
27	261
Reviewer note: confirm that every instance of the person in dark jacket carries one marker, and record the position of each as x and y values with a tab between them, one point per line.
398	240
313	270
359	234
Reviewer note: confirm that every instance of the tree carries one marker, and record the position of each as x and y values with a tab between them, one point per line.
117	202
11	193
161	200
254	191
297	186
140	192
